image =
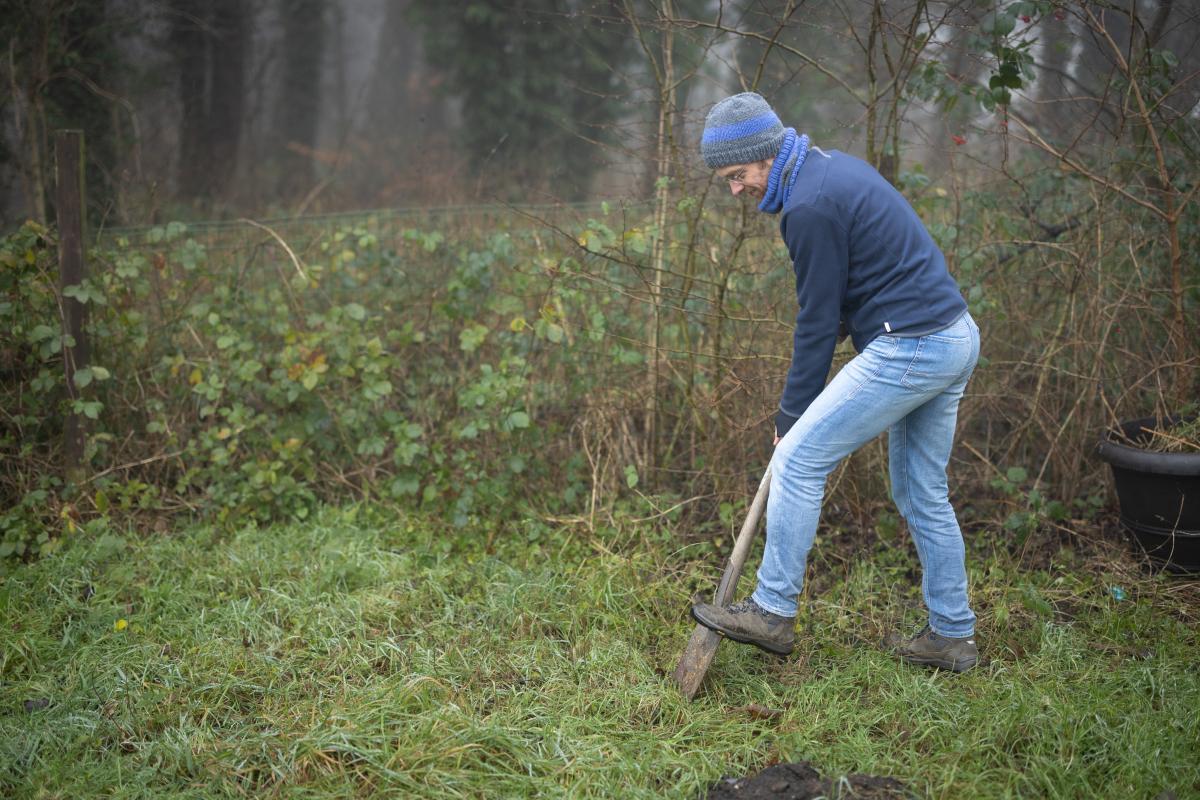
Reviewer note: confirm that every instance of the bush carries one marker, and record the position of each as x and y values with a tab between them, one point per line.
239	390
492	366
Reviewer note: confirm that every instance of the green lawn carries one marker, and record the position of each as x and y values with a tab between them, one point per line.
357	655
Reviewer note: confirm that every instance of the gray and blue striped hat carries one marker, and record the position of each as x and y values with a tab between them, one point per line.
740	129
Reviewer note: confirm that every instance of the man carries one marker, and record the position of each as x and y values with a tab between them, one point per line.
864	264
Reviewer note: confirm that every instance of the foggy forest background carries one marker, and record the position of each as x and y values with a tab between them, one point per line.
211	108
407	372
589	319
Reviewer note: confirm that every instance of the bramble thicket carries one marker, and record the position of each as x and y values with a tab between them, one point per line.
590	363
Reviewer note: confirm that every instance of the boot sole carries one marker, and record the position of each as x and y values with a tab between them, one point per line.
772	649
958	666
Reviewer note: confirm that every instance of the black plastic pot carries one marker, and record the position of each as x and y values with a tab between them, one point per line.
1159	495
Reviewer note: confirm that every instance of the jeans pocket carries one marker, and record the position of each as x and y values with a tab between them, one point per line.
937	363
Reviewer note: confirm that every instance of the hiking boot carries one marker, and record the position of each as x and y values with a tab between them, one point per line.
749	623
934	650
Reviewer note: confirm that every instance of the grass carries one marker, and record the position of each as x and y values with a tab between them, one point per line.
358	655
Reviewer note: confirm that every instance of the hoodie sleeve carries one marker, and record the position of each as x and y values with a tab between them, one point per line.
820	250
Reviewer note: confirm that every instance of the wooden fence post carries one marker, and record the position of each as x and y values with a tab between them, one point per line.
68	152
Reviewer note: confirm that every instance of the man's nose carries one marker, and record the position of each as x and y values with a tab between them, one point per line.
736	188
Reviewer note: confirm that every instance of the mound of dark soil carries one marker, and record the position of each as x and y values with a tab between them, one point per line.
800	781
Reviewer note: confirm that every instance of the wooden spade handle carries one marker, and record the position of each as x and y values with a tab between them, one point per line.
703	645
741	546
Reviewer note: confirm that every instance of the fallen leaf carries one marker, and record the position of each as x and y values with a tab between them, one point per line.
756	711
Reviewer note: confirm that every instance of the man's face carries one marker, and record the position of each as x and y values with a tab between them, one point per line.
748	178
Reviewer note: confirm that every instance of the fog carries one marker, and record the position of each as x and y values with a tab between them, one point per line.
195	109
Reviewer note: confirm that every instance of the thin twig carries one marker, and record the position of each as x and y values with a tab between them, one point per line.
278	238
132	464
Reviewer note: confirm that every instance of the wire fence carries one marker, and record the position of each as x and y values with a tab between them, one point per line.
300	232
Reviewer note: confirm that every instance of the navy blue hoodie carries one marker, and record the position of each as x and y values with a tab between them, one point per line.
862	257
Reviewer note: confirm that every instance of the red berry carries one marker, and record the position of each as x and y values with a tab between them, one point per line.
958	140
1025	18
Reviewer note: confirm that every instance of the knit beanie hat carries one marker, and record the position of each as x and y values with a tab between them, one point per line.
740	129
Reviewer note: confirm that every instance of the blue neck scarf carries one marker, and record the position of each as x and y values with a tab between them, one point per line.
788	162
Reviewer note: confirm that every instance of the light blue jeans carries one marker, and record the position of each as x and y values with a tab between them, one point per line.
909	387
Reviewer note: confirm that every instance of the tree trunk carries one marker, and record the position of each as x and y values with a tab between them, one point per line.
29	86
397	65
230	38
187	41
210	42
666	112
300	95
